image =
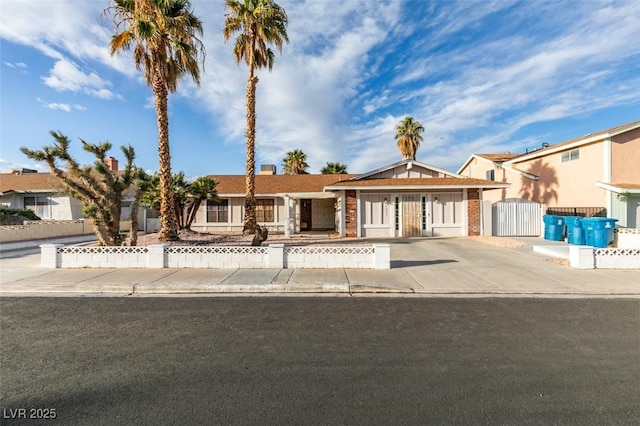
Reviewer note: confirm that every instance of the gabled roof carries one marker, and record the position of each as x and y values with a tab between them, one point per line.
489	158
577	142
507	159
277	184
29	182
417	183
403	162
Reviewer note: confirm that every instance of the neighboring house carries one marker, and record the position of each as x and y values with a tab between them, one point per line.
585	175
44	194
405	199
40	192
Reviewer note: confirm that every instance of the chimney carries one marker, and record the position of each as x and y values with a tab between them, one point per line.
267	169
112	163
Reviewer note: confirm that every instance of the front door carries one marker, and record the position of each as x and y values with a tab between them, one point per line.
305	215
411	215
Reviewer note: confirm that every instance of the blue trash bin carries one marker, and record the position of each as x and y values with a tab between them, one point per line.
553	227
598	231
575	233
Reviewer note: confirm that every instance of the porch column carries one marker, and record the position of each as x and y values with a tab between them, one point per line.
287	216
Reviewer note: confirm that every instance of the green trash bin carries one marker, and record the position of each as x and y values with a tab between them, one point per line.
575	233
598	231
553	227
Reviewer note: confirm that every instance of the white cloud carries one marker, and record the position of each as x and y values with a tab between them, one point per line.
65	76
19	65
62	106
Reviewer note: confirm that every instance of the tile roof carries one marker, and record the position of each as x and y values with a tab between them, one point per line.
277	184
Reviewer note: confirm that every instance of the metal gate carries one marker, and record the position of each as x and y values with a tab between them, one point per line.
516	217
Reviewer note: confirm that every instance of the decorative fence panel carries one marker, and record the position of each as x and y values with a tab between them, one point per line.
102	257
217	257
376	256
617	258
298	257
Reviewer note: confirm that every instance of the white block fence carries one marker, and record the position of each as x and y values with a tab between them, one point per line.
587	257
376	256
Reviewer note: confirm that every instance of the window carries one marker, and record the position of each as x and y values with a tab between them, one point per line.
264	210
218	211
490	175
39	205
570	155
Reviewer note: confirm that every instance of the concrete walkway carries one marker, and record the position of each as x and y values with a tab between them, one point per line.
453	266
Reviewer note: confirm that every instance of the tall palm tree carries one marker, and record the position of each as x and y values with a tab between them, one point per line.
260	23
163	34
409	137
295	163
334	169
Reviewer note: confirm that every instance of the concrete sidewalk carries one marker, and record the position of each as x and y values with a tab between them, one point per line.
456	266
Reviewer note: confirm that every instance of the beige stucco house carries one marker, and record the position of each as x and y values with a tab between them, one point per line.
404	199
596	171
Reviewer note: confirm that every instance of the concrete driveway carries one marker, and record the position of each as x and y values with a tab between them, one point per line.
464	265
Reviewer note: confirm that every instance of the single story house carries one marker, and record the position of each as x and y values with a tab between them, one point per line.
45	195
404	199
41	192
594	174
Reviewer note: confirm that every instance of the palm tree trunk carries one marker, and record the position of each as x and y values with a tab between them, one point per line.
192	211
133	231
250	223
168	223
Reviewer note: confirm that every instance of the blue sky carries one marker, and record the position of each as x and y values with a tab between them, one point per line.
481	76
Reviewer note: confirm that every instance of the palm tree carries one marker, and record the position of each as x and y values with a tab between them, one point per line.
334	169
261	23
409	137
163	34
295	163
201	189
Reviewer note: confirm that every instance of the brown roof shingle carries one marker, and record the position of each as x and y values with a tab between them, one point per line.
29	182
277	184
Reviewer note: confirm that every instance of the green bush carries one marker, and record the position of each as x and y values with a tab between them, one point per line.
15	216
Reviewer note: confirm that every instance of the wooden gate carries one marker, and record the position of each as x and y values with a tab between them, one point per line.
411	225
516	217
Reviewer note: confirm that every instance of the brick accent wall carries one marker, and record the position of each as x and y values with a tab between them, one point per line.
351	214
473	211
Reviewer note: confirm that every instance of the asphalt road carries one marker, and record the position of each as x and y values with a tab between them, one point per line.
331	360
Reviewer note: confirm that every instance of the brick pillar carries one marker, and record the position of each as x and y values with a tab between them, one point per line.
473	211
351	214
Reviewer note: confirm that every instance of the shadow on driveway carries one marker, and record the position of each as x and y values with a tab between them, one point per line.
407	263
